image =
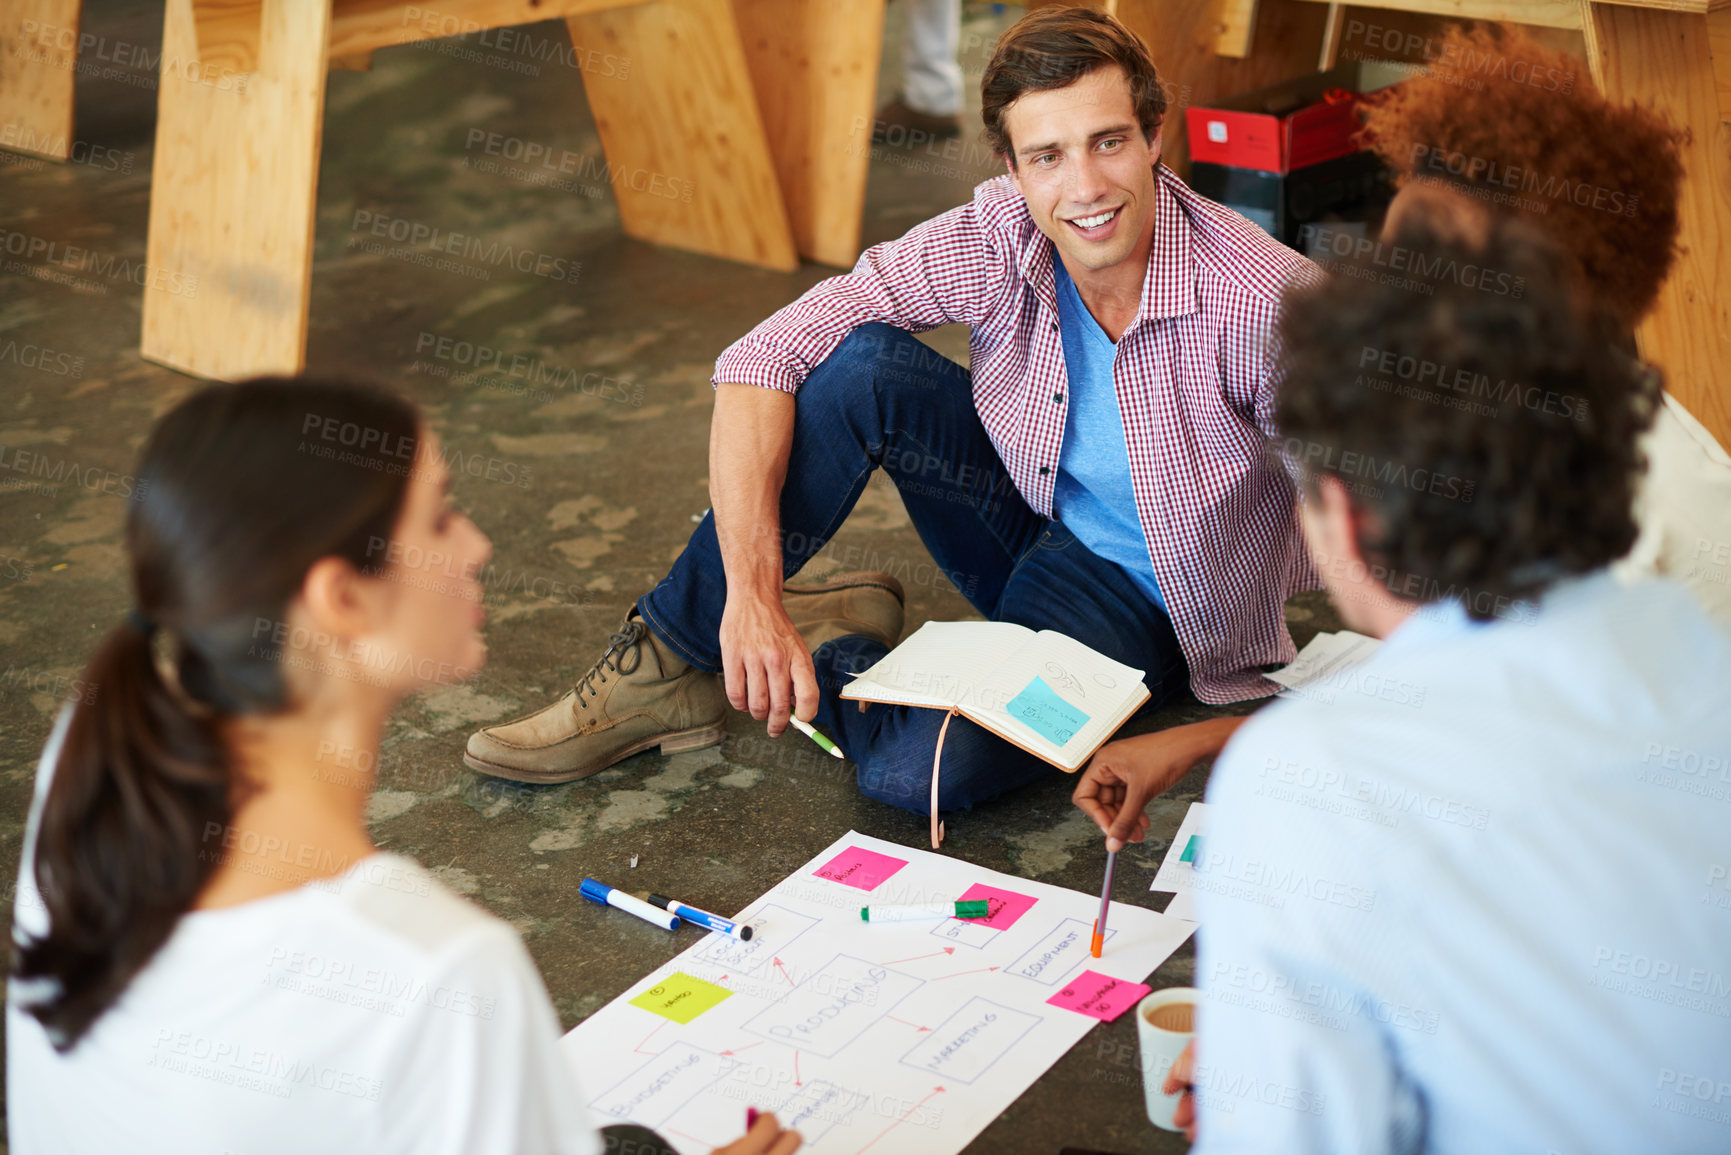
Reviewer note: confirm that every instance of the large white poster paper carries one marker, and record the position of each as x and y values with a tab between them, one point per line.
902	1037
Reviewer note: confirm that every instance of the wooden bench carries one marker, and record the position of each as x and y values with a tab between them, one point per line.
758	101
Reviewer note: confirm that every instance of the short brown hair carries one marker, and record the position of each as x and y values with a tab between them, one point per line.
1500	117
1055	47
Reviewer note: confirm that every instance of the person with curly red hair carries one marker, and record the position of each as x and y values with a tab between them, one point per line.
1503	124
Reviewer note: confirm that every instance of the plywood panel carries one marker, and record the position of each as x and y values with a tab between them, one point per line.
1237	25
231	200
362	25
814	68
1662	59
1719	47
38	51
227	32
686	149
1543	13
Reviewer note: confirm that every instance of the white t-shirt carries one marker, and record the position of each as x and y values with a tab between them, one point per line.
373	1012
1683	506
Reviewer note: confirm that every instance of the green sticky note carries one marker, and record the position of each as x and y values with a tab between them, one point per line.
1040	709
1191	848
680	997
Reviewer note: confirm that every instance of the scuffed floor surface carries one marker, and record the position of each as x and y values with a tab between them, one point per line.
607	452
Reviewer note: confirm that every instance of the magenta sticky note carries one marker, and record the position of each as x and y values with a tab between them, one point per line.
1099	996
1006	906
859	867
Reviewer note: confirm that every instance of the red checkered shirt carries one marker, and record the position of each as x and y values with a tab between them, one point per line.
1196	376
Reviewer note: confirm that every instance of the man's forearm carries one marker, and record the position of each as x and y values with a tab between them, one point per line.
749	442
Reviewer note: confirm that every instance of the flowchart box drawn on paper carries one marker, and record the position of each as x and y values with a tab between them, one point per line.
834	1006
1064	948
961	1048
772	929
658	1088
817	1108
972	934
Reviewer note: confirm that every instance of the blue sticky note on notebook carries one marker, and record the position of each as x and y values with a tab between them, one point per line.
1040	709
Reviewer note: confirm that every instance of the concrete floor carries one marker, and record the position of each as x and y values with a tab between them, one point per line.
614	488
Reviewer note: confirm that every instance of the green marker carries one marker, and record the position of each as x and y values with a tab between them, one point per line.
805	728
906	912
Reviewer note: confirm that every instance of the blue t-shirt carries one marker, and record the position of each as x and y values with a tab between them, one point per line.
1093	496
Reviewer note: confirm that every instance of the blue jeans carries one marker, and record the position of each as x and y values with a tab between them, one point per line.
884	400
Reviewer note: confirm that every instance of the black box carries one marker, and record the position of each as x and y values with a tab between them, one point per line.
1352	187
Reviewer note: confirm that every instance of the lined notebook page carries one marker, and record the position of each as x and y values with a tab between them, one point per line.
942	664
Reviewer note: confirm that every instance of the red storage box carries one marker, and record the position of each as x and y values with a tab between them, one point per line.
1294	124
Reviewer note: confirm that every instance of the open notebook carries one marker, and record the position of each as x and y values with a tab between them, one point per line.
1047	693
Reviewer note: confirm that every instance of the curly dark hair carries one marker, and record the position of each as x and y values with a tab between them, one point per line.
1055	47
1391	392
1500	117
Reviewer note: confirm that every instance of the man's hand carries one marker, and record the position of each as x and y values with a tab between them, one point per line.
1120	779
1180	1078
765	1138
767	667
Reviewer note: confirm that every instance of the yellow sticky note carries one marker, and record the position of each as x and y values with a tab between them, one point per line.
680	997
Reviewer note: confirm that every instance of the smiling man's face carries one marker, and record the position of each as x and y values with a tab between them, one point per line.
1086	170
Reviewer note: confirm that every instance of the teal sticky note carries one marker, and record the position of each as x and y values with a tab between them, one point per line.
1191	849
1040	709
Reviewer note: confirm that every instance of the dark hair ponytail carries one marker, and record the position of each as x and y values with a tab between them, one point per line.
242	488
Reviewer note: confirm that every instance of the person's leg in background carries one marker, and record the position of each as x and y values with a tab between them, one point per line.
1058	584
931	95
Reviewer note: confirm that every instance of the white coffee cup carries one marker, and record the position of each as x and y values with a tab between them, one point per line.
1160	1049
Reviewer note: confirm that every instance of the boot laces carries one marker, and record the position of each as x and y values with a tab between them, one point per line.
628	641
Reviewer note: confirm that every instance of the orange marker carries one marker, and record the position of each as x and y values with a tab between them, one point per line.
1105	903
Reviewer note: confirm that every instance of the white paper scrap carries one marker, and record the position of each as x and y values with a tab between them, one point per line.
1176	875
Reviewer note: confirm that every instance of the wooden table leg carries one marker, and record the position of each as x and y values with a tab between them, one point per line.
686	149
233	190
1663	59
814	65
38	58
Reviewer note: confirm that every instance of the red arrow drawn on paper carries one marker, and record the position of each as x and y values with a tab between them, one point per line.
796	1080
899	1122
747	1047
918	957
959	974
903	1022
784	973
638	1049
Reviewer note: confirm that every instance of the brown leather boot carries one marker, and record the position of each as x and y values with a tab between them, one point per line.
867	603
638	694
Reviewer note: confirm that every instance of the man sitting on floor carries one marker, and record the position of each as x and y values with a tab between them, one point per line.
1466	897
1100	472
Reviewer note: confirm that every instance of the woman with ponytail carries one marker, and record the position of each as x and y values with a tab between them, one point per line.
210	953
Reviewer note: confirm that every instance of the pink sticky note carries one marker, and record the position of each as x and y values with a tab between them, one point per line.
859	867
1006	906
1099	996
